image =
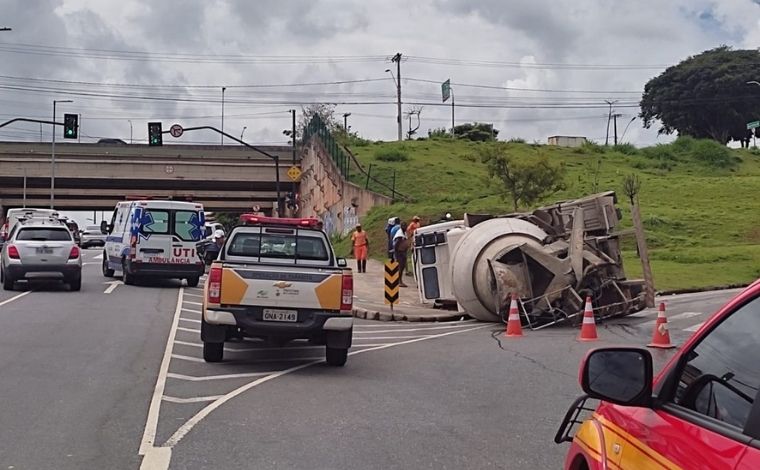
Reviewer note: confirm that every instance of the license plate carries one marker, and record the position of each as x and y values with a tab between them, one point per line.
271	314
44	251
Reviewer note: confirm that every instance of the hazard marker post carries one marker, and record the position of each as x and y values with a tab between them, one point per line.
392	283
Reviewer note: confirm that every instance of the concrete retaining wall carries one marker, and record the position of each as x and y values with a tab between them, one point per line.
327	195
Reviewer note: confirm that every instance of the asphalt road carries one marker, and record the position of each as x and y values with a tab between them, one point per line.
93	380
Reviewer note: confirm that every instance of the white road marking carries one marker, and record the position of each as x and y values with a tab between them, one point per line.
112	287
156	458
188	358
189	330
198	417
100	256
362	338
199	345
191	310
192	399
87	264
7	301
680	316
396	330
193	303
284	359
194	295
151	424
694	328
190	320
418	324
192	378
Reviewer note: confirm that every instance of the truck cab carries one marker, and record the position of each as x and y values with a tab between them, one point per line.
278	279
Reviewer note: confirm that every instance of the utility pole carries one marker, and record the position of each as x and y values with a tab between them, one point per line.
52	157
609	118
452	111
397	59
614	117
130	130
223	90
293	140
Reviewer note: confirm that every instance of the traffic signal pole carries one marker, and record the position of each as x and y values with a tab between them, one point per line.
252	147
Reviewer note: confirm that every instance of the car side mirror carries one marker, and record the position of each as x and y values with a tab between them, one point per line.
342	263
618	375
105	227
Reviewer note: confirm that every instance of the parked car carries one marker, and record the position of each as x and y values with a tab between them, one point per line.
40	249
700	411
92	236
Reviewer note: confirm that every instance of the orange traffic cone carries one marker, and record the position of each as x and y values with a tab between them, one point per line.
514	328
661	335
588	328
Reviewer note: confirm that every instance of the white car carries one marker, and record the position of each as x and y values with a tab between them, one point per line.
41	249
154	239
92	236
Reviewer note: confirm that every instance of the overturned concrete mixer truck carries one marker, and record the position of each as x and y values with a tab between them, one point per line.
552	258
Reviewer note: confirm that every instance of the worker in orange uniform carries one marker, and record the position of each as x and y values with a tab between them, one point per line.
410	231
361	247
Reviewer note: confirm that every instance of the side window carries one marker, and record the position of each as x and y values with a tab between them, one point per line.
186	225
722	375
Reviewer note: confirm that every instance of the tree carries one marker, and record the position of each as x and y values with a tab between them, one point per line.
326	113
476	131
706	96
523	180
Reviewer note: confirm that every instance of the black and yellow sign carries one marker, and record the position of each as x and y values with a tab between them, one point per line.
294	173
392	281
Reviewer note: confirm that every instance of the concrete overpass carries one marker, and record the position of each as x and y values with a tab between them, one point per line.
96	176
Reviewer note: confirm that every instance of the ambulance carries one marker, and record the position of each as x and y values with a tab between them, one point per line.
154	239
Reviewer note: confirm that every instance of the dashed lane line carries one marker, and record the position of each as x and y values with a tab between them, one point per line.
191	400
194	295
192	320
7	301
189	330
191	310
193	303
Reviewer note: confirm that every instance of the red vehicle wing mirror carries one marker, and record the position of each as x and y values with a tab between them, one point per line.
618	375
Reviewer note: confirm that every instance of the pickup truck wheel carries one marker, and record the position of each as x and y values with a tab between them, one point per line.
213	352
107	272
193	281
336	356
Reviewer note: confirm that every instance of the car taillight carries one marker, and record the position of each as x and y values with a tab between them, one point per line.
13	252
347	292
74	254
215	285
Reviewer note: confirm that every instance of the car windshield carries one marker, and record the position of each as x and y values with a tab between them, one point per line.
43	234
281	246
92	229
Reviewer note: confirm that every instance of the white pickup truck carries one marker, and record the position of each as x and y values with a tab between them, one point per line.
279	280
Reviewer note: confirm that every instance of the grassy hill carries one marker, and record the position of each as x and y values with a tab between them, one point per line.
700	201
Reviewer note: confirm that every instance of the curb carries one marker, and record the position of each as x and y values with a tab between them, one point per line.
702	289
370	314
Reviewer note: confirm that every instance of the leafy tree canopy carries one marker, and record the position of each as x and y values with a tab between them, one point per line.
706	96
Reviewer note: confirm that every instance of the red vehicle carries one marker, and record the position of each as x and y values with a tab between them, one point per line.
700	412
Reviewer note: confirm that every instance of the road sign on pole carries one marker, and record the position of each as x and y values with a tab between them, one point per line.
176	131
294	173
392	282
753	125
446	90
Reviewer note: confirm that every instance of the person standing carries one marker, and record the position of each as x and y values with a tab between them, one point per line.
388	231
400	249
411	229
361	247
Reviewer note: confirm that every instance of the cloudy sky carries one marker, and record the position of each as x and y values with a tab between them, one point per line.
534	67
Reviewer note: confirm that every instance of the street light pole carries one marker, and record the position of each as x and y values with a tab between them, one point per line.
241	134
130	130
626	129
345	121
223	90
52	157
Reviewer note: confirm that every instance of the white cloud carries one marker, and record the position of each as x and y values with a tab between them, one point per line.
525	31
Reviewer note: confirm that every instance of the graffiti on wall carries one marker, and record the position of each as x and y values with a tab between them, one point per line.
329	222
350	219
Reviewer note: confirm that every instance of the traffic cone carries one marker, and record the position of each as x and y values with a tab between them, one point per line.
588	328
661	335
514	328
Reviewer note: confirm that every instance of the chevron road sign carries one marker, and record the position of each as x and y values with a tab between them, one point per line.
392	281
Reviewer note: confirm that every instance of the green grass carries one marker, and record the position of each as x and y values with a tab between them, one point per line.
702	220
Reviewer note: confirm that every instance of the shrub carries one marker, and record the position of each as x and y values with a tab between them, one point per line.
391	155
592	147
516	140
712	153
661	152
684	143
626	149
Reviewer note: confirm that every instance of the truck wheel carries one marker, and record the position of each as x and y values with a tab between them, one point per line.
193	281
107	272
336	356
213	352
129	279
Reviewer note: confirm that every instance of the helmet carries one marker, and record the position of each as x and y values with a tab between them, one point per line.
219	233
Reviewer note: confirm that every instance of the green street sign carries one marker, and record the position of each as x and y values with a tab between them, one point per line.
753	125
446	90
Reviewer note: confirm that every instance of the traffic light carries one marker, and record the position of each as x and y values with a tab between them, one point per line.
70	126
155	136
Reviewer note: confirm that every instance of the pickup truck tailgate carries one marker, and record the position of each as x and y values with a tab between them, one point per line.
293	288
